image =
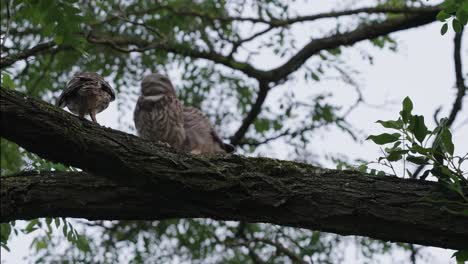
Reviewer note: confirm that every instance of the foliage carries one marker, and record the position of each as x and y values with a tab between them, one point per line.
457	11
412	143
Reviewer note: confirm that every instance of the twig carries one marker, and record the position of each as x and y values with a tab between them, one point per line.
461	89
7	25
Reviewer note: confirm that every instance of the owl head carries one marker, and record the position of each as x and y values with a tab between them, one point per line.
156	84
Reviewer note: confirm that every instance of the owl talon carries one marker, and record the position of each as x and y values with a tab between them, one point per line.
196	152
165	144
92	114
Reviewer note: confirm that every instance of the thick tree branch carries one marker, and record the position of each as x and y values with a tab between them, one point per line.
362	33
279	22
274	75
152	182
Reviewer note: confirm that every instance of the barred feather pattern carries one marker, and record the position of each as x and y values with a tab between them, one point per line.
159	116
201	137
86	92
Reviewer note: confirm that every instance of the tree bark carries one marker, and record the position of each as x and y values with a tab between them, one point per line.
137	179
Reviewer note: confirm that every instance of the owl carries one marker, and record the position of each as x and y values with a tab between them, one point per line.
158	115
86	93
201	137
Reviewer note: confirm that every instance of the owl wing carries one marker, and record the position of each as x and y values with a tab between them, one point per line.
70	90
198	128
79	80
97	79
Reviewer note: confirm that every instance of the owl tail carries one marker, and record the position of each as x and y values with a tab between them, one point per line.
228	147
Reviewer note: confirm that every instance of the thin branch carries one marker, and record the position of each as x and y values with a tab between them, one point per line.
253	113
237	44
38	49
361	33
8	23
280	73
460	81
116	42
461	90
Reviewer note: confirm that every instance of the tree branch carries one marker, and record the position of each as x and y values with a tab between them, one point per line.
278	22
150	182
460	81
362	33
116	42
461	91
253	113
38	49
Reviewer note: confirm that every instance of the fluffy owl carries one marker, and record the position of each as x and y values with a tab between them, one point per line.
158	115
201	138
86	93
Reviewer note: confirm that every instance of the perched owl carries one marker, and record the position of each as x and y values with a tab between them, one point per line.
158	114
86	93
201	138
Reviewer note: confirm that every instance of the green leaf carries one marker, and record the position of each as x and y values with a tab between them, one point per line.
447	141
462	16
314	76
461	256
70	236
394	156
7	82
442	16
420	150
407	108
384	138
82	243
31	226
407	104
419	129
457	27
381	173
444	29
395	124
5	230
41	244
65	229
417	159
362	168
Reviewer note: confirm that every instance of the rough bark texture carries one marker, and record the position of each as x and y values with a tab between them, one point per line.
147	181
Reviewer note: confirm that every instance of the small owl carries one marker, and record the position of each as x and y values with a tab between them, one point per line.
158	114
201	138
86	93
